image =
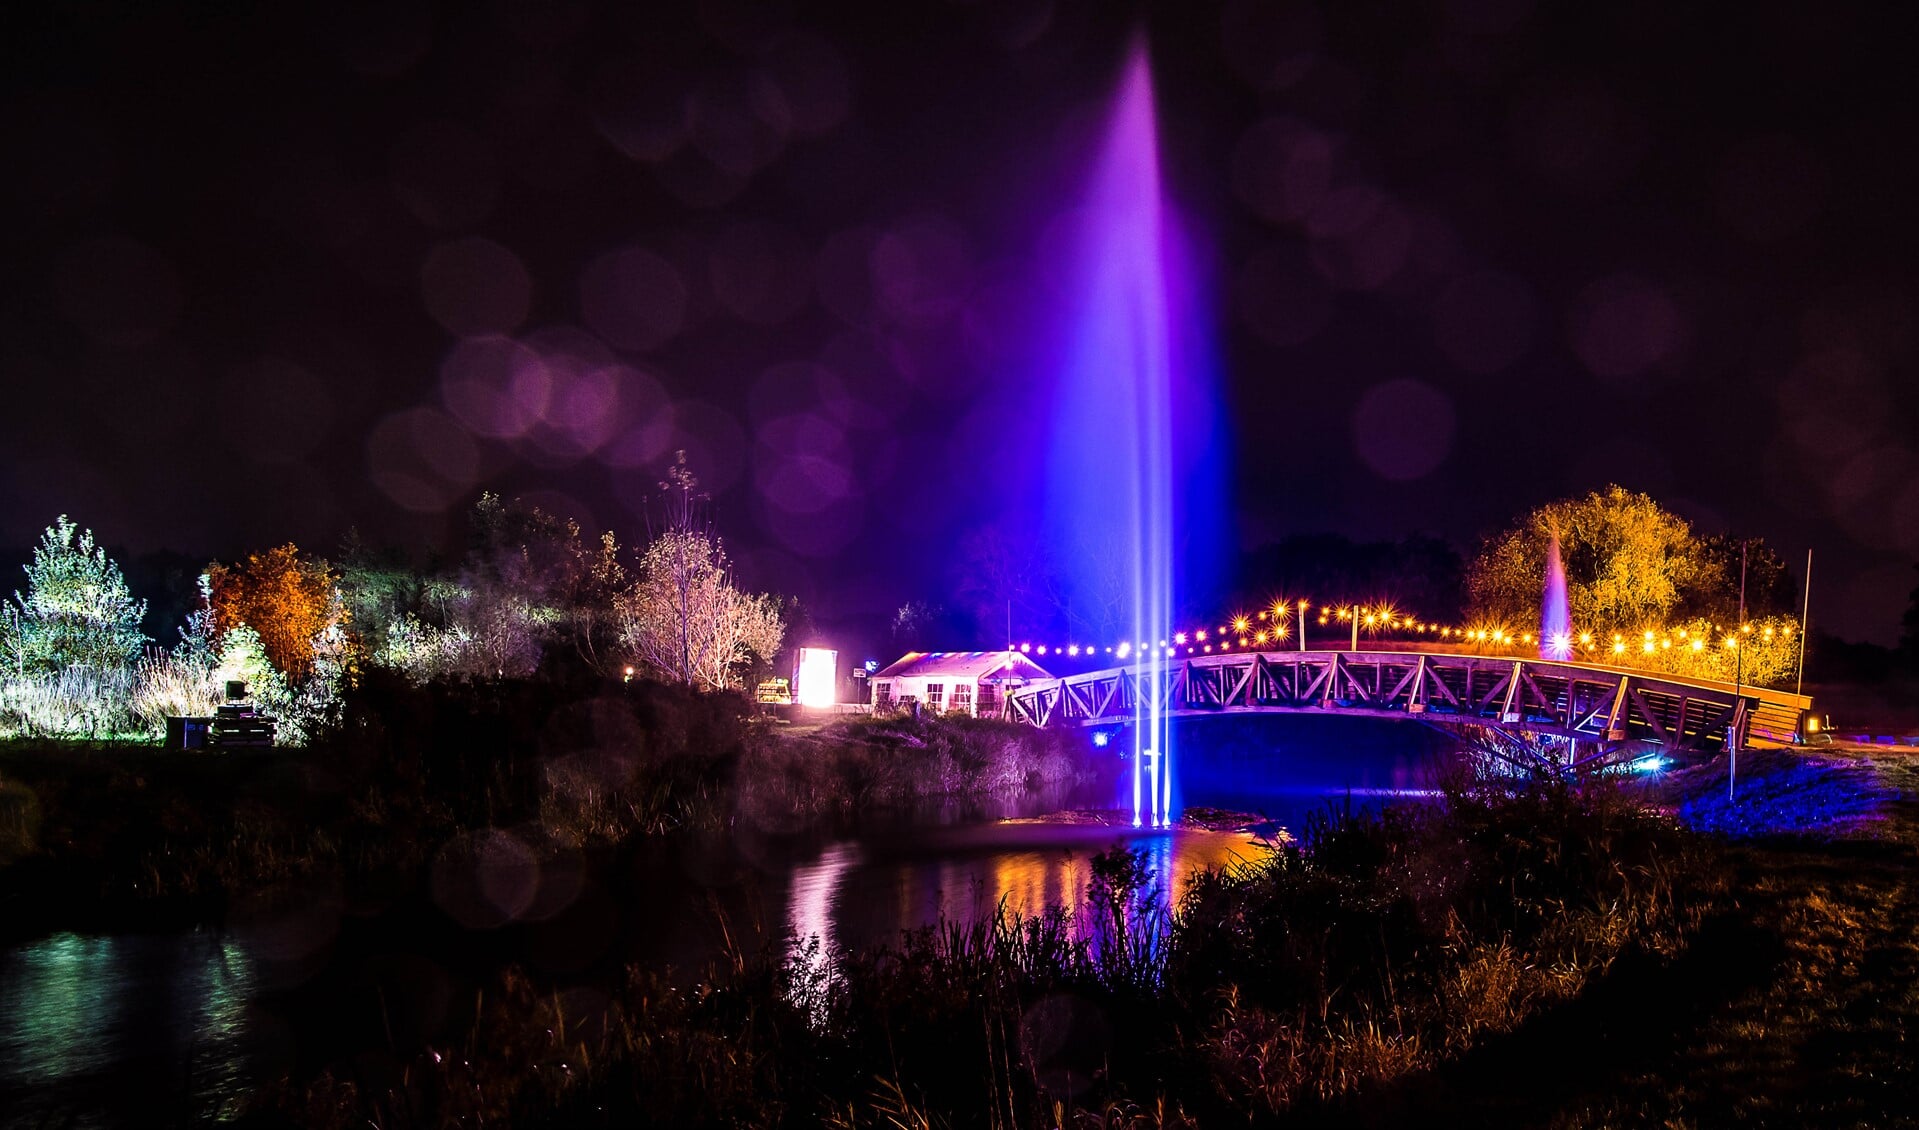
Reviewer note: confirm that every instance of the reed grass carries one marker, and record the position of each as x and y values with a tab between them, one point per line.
1368	952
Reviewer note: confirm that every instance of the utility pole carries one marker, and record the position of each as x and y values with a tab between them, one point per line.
1805	613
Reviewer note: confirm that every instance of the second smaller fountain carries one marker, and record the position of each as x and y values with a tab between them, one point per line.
1555	619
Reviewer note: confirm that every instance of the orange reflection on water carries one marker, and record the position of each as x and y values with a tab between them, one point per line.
1030	882
845	897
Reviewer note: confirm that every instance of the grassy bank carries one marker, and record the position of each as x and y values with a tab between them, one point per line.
95	836
1373	951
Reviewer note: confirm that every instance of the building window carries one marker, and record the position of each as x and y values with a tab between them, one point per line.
988	699
935	695
963	698
883	695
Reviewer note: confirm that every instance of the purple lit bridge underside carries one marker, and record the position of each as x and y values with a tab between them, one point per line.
1597	714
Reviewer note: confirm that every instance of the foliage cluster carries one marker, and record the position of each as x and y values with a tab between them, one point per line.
533	596
1632	567
79	666
686	621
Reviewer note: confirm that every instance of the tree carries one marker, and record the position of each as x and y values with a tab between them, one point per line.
1628	562
1002	579
76	611
685	621
288	600
532	591
379	588
1643	589
527	558
1770	586
914	625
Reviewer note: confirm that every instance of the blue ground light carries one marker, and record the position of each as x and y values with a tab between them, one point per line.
1784	793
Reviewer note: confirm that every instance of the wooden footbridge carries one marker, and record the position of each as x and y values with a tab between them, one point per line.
1602	712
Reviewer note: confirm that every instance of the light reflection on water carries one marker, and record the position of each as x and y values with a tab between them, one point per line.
123	1030
851	895
142	1030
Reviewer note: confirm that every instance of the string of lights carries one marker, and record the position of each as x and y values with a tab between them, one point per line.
1275	627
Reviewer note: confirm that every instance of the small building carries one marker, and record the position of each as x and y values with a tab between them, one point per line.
953	682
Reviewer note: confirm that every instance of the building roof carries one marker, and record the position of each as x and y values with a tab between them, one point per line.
963	665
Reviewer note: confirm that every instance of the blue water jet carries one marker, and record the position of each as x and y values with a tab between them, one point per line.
1133	458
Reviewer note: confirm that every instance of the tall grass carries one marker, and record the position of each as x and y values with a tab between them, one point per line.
75	702
1373	948
168	685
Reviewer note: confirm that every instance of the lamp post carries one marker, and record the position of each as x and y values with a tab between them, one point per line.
1738	679
1302	625
1356	611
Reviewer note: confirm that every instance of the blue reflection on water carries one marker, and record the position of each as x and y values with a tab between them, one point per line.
130	1030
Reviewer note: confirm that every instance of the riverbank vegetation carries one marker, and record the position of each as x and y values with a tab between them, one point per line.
1369	952
112	833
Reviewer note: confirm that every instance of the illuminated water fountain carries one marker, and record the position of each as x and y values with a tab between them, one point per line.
1134	419
1555	621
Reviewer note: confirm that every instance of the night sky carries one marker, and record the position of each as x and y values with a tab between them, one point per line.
273	272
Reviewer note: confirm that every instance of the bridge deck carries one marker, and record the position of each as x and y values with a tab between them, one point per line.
1582	701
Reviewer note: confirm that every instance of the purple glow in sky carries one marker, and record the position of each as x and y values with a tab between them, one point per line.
1131	388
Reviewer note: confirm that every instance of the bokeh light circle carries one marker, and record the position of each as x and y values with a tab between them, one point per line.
1403	429
474	287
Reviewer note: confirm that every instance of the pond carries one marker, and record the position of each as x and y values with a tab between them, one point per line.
159	1029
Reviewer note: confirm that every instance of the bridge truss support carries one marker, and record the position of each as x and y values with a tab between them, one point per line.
1598	713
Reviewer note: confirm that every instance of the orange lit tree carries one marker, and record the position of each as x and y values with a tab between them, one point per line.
1644	589
289	600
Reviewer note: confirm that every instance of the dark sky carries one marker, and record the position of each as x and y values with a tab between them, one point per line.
275	272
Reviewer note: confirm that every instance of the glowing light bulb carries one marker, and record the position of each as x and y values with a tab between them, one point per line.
1618	648
1179	638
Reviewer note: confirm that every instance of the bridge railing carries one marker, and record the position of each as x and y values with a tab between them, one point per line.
1579	701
